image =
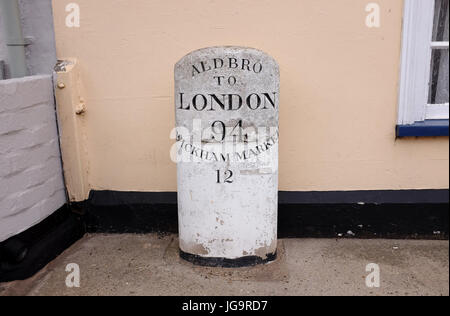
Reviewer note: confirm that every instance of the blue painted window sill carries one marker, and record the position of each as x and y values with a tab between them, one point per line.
428	128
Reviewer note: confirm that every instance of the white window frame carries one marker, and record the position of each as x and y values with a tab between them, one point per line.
415	77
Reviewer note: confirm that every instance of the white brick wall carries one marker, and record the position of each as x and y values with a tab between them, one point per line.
31	183
2	47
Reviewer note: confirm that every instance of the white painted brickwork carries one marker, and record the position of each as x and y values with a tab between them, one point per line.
31	183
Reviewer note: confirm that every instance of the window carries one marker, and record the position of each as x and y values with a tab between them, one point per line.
424	88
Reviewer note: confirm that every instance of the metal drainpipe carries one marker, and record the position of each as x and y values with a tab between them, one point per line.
12	29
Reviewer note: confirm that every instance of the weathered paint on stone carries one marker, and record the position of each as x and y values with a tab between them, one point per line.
227	103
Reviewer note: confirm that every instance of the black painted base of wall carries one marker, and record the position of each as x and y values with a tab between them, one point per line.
414	214
393	221
410	214
25	254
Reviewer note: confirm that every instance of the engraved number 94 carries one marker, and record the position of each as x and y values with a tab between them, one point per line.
220	130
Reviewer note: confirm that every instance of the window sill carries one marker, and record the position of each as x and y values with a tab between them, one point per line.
428	128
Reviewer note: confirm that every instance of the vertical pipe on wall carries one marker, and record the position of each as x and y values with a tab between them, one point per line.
12	28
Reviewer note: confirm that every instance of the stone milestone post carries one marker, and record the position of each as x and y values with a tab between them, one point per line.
227	102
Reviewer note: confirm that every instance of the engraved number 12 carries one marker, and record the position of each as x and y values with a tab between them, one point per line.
228	175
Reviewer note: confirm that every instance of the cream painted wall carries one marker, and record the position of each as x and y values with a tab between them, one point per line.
339	89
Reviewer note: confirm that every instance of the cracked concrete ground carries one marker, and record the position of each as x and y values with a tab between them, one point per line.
149	265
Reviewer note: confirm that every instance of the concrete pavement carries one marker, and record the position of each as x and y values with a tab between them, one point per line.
149	265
